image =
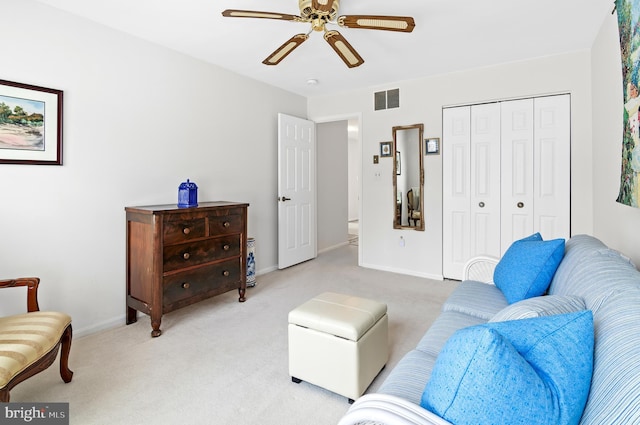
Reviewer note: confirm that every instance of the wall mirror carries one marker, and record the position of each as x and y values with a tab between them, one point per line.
408	177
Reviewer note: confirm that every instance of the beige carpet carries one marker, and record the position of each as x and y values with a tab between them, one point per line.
223	362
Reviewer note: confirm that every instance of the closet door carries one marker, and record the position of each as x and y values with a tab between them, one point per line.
456	191
552	171
485	180
517	171
506	175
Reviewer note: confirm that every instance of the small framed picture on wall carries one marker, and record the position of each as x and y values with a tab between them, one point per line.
385	149
432	146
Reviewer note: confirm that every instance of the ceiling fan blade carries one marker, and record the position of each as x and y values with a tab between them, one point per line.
342	47
231	13
322	5
386	23
284	50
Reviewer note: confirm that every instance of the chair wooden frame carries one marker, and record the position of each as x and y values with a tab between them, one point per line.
48	358
412	213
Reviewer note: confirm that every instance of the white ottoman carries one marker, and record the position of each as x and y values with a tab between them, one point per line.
338	342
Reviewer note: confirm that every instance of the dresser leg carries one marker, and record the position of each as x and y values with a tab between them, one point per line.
132	315
155	325
241	291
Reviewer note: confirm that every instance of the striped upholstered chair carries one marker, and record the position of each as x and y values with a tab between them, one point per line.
29	342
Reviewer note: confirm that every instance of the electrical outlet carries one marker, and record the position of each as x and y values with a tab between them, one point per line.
376	159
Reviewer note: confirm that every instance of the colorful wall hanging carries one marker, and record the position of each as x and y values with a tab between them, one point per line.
628	16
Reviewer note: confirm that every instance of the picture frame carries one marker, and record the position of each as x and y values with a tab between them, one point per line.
432	146
385	149
30	124
398	169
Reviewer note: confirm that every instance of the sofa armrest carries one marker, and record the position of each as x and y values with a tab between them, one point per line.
480	269
383	409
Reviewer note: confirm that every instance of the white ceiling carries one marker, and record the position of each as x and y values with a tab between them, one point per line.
450	35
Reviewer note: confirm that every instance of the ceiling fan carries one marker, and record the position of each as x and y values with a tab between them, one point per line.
320	13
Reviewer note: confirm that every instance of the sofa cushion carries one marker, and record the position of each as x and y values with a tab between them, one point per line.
527	267
547	305
530	371
577	250
441	330
477	299
409	376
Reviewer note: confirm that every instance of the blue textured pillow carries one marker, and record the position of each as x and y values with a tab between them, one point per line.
528	266
529	371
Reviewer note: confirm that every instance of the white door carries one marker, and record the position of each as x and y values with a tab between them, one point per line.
517	171
552	172
296	191
456	192
485	180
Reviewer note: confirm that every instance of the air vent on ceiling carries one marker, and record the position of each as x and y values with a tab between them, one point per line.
387	99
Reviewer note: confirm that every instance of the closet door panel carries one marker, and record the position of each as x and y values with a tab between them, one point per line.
517	183
552	159
456	124
485	180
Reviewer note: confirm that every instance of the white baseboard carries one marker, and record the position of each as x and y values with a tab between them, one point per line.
99	327
403	271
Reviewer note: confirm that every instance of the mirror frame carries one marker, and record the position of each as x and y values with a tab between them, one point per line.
420	142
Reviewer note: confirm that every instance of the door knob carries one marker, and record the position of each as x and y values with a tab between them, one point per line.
481	204
520	205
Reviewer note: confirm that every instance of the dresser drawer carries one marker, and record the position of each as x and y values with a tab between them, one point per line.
178	229
193	253
201	283
225	225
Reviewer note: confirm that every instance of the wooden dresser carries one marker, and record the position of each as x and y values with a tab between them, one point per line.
179	256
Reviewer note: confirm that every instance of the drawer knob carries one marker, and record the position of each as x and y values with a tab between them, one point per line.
226	224
186	255
225	273
226	247
186	230
186	285
520	205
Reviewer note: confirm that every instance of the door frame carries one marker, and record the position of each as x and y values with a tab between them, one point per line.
355	116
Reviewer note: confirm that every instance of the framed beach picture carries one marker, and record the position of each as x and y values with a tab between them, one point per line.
30	124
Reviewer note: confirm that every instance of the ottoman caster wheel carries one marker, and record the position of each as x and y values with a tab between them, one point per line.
295	380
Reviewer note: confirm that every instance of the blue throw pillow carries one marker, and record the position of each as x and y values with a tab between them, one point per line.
529	371
527	267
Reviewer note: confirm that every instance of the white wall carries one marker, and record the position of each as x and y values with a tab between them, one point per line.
332	184
421	101
138	120
616	224
355	170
